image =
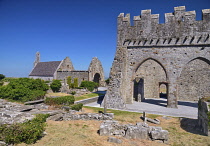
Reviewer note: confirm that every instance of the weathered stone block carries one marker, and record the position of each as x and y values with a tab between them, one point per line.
159	135
114	140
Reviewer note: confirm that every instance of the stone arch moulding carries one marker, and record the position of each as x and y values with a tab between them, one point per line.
156	60
194	80
152	72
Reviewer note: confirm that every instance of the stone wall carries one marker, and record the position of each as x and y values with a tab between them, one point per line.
81	75
176	53
203	120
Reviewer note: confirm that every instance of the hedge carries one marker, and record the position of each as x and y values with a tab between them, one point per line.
77	107
63	100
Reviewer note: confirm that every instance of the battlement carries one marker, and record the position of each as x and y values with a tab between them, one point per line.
179	24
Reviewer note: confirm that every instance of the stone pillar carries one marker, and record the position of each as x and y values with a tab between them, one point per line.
204	116
172	95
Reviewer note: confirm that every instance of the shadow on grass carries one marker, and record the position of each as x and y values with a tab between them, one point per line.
190	125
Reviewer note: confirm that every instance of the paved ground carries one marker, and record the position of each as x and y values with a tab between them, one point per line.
158	106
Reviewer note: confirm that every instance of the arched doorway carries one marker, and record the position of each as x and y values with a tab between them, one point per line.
194	81
163	90
97	78
150	74
138	93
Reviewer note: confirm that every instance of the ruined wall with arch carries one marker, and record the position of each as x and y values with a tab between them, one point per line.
161	54
96	72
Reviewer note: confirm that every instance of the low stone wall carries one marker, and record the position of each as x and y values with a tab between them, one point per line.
138	131
79	92
84	116
203	119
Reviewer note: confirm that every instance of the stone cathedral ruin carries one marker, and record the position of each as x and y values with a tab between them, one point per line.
175	54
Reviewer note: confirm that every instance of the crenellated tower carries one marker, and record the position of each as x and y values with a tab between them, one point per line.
180	28
149	55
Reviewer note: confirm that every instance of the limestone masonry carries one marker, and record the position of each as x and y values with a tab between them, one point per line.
175	54
62	69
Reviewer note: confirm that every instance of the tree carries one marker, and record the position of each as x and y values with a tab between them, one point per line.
2	76
75	82
55	85
69	81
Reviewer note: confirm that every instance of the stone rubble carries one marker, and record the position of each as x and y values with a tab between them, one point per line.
138	131
11	113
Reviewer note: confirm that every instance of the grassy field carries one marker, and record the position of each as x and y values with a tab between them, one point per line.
84	133
87	96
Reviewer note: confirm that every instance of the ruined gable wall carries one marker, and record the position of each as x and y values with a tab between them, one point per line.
172	44
66	65
94	68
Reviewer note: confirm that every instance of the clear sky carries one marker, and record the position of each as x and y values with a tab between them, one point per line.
80	29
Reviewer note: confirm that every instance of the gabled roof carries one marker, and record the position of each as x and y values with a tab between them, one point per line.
45	68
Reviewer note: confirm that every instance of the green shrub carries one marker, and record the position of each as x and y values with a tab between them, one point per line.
73	92
2	76
8	79
28	132
55	85
89	85
24	89
77	107
1	83
107	81
75	82
63	100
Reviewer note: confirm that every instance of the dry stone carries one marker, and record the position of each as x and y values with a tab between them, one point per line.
114	140
138	131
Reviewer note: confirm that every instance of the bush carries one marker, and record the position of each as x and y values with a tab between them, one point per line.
73	92
89	85
55	85
28	132
24	89
63	100
1	83
77	107
107	81
2	76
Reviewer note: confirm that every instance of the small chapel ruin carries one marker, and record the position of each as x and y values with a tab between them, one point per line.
60	70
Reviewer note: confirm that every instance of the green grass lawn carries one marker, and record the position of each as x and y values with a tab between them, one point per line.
86	96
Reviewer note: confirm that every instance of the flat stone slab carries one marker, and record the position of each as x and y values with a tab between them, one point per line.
35	101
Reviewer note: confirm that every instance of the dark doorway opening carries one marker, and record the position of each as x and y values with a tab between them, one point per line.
138	90
163	90
97	78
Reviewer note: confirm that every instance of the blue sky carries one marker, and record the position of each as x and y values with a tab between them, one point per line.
80	29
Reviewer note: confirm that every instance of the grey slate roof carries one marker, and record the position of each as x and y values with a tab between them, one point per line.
45	68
